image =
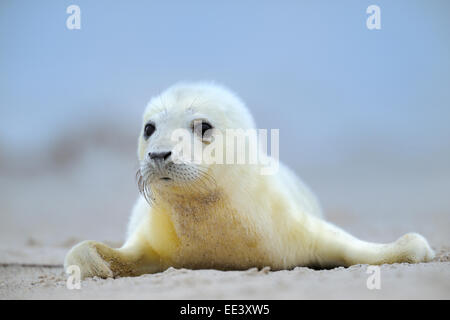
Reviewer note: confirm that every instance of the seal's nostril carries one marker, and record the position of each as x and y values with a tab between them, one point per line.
159	155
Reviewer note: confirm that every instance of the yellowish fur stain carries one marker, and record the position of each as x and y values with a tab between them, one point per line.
162	235
203	231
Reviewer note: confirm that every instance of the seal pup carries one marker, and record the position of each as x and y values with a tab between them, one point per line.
223	216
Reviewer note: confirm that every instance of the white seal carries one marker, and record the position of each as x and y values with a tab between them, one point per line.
223	216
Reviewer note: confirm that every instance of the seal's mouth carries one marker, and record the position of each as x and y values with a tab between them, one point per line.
179	176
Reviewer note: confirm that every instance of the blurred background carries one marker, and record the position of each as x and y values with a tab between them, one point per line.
363	114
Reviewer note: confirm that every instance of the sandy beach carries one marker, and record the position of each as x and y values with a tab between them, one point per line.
398	281
36	234
362	111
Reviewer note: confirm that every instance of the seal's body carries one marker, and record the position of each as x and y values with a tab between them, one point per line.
223	216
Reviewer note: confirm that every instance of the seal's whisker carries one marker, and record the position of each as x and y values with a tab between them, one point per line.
143	182
207	176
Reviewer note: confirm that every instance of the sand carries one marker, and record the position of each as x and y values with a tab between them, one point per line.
46	210
398	281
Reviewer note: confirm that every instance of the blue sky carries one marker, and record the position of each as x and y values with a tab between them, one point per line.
310	68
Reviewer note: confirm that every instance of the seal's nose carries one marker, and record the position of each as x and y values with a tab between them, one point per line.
159	155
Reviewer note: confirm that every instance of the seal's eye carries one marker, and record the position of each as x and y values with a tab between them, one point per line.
202	129
205	127
148	130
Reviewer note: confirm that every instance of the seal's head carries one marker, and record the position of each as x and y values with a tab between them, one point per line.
197	113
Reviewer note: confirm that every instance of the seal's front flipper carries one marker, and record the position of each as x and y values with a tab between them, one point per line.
335	247
97	259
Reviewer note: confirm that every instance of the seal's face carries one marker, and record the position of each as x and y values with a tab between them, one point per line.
163	165
178	125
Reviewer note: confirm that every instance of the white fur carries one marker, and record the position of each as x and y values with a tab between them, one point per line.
246	220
